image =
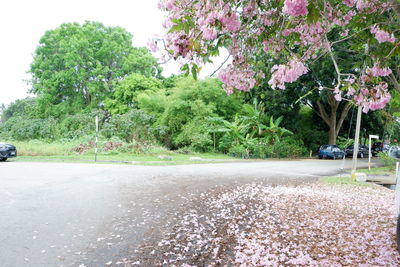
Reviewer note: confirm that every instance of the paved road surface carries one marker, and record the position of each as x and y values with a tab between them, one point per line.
54	214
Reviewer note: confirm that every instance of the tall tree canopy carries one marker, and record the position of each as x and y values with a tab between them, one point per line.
77	66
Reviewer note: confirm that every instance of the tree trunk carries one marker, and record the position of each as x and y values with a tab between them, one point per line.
331	120
332	134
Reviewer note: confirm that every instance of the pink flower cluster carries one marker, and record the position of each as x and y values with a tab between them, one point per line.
373	99
289	73
231	22
382	36
349	3
209	33
309	33
295	7
152	44
377	71
234	78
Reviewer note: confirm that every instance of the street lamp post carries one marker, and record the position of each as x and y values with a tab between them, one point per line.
356	141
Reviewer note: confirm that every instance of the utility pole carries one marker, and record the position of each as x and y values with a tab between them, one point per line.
356	140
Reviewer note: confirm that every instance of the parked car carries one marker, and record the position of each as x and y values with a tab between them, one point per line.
330	151
363	151
7	151
379	147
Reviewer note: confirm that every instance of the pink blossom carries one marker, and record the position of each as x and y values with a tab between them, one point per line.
241	79
376	71
169	5
349	3
350	91
338	94
209	34
289	73
152	44
361	4
338	97
230	22
382	36
295	7
344	33
211	18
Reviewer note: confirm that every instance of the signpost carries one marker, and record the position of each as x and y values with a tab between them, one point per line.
97	138
371	136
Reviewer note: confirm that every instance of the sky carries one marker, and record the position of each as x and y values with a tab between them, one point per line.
23	22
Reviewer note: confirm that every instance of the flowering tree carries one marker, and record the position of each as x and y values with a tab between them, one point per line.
300	31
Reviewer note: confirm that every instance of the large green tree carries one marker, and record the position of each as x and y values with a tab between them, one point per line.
124	98
77	66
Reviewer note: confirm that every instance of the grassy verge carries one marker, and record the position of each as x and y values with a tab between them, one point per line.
343	181
63	152
386	170
129	158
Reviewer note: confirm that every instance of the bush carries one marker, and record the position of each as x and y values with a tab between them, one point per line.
21	128
239	151
75	126
343	143
288	148
387	160
196	136
131	126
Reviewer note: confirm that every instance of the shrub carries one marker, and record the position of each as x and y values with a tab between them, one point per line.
134	125
239	151
196	136
288	148
75	126
21	128
387	160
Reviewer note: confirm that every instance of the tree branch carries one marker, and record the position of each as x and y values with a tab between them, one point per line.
396	6
322	113
343	116
334	61
222	64
394	81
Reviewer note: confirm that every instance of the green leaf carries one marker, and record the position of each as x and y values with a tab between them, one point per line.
176	28
313	14
194	71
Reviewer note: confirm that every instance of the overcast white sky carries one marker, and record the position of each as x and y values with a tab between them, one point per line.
23	22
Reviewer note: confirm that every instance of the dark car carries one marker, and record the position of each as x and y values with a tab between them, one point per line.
363	151
7	151
331	152
379	147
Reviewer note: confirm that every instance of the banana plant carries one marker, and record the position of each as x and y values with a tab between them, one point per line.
255	118
274	132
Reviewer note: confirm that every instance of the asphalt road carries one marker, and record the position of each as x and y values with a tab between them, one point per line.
61	214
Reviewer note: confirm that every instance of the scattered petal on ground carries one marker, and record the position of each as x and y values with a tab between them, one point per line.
258	225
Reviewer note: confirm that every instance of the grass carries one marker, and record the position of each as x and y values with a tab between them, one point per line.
343	181
62	152
39	148
386	170
128	158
